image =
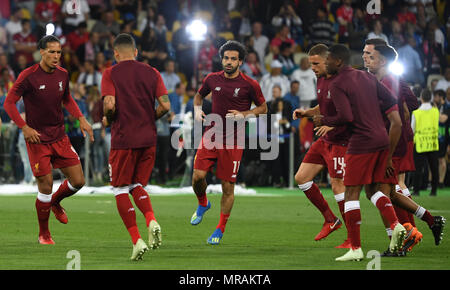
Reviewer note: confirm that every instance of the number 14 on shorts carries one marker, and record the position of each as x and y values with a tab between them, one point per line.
339	163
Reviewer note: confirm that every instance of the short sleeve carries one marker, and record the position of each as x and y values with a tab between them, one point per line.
161	89
107	84
205	88
256	94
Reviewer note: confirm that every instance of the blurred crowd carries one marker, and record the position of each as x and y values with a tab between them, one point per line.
277	34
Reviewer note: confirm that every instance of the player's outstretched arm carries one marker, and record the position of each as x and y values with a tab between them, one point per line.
255	112
163	106
300	113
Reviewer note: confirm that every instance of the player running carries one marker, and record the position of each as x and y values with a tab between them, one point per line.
378	61
44	88
232	95
327	152
130	90
368	159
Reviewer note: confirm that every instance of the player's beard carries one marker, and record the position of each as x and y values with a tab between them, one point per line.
230	70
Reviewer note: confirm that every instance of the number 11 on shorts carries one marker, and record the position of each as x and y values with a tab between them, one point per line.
235	168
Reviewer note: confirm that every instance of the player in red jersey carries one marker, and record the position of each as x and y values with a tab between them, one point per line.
368	159
378	64
327	152
130	90
232	95
44	87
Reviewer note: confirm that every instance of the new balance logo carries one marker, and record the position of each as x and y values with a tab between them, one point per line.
142	197
131	209
41	87
218	88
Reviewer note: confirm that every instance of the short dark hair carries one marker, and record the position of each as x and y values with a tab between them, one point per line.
233	45
375	41
319	49
439	93
426	95
42	44
124	39
387	51
340	51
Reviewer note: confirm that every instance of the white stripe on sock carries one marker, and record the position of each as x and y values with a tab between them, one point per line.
398	188
305	186
419	212
351	205
46	198
133	186
121	190
74	189
377	195
339	197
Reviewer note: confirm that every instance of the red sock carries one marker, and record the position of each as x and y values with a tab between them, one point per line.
142	201
223	221
62	192
128	215
353	222
425	215
313	193
202	199
402	215
43	213
384	205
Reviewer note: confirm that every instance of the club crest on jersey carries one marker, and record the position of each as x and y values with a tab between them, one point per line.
60	86
236	92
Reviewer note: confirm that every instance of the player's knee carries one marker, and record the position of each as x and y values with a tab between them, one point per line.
198	177
300	179
77	183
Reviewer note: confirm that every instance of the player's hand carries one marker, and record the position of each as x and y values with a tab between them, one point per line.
322	130
85	127
317	120
234	114
199	115
389	168
298	113
30	135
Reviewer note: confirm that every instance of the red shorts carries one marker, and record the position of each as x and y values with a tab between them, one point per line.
329	155
407	161
367	168
228	161
45	156
131	166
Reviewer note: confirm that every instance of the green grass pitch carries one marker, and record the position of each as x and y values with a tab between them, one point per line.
271	231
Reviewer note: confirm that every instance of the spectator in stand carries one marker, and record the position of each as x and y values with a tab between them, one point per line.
410	58
4	64
439	36
252	66
46	11
153	51
25	42
286	57
444	113
89	49
359	30
444	84
90	77
205	56
3	40
344	15
106	27
307	79
321	30
434	60
101	63
377	31
287	16
275	77
283	35
169	76
396	39
13	26
20	65
184	50
95	106
74	13
405	15
78	37
149	20
260	41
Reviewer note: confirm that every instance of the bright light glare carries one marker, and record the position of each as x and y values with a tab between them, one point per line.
197	30
396	68
50	29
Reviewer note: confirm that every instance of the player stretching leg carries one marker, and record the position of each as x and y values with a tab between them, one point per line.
44	88
232	95
327	152
130	90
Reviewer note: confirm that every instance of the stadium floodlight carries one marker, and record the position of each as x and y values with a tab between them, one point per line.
396	68
49	29
197	30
